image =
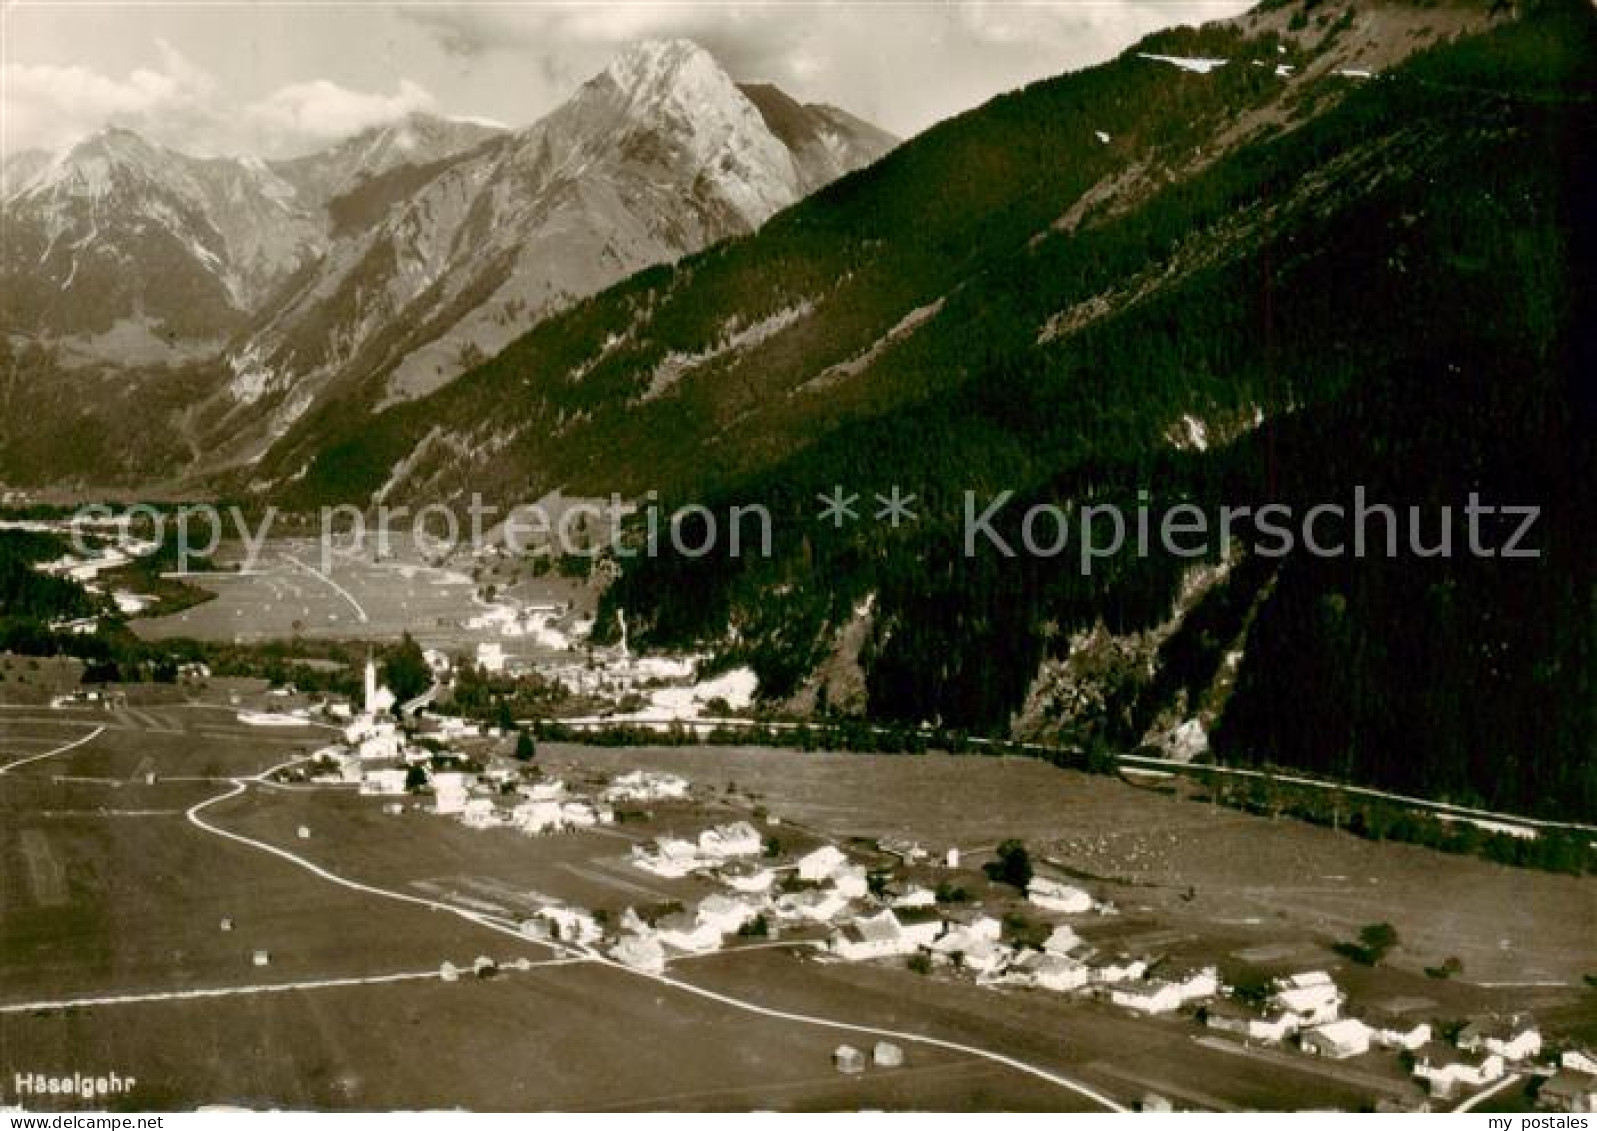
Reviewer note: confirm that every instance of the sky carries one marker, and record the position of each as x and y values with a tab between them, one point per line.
281	78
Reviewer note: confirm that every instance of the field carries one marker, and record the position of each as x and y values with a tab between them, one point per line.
1196	865
109	890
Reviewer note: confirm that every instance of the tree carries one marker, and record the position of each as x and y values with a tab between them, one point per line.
526	748
416	779
1374	941
1013	865
405	670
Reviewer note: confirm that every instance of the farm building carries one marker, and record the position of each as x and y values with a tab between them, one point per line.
689	933
1047	971
564	924
647	785
450	790
1062	940
1580	1060
536	817
1445	1069
725	913
1402	1034
876	936
1052	895
1514	1038
479	813
851	882
848	1060
914	896
1337	1040
747	877
1118	970
1233	1017
821	864
1569	1091
1167	996
736	839
1313	999
641	952
811	906
385	781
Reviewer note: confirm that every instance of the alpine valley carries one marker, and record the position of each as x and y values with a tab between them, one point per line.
1319	247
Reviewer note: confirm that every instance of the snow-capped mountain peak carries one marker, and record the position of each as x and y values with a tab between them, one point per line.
675	90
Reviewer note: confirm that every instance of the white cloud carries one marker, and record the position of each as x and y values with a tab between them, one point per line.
47	106
903	65
322	111
180	104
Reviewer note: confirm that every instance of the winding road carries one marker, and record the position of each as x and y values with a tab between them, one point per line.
587	954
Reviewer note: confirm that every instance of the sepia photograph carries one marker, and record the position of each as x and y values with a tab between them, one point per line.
797	556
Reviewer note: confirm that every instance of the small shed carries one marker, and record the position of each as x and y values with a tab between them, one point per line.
887	1055
848	1060
261	958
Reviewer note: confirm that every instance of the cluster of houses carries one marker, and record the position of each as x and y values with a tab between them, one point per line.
1307	1008
831	901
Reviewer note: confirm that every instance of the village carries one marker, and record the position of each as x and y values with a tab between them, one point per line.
769	884
718	871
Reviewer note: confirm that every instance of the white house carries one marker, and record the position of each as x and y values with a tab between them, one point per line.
915	897
668	857
1445	1069
851	882
450	792
578	815
1513	1039
1118	970
821	906
1231	1017
479	813
986	959
1051	895
549	789
820	864
647	785
491	656
875	936
1393	1036
1337	1040
1062	940
747	877
536	817
921	925
382	744
725	913
974	946
641	952
1166	996
1312	998
1048	971
385	782
1569	1090
1578	1060
688	933
564	924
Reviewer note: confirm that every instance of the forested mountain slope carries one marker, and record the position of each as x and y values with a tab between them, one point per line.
1273	280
